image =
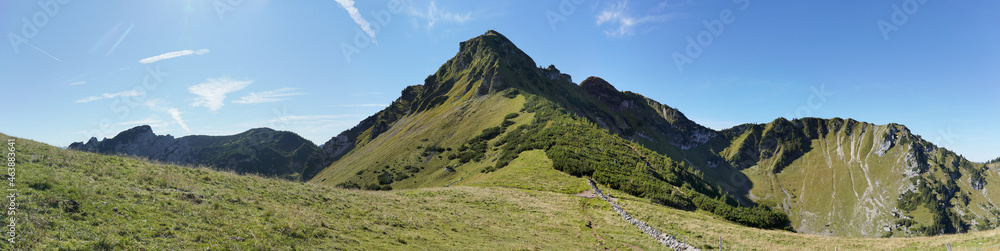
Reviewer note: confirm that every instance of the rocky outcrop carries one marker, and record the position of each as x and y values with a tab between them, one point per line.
661	237
553	74
141	141
331	151
888	141
636	116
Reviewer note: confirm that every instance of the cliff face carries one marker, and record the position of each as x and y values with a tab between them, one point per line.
261	151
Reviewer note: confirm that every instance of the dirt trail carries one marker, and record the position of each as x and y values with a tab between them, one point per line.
594	229
661	237
587	194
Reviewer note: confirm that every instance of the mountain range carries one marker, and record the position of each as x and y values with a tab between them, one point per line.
491	105
261	151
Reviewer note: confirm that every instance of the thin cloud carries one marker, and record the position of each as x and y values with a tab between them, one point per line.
434	14
356	15
268	96
161	106
78	83
172	54
174	113
619	14
286	119
213	93
131	93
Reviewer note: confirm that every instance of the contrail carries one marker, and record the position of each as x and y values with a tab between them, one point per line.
46	53
120	39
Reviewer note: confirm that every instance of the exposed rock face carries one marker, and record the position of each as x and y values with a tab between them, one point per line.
261	151
331	151
888	141
141	141
655	120
553	74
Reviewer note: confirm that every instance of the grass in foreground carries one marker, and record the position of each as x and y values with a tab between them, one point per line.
82	201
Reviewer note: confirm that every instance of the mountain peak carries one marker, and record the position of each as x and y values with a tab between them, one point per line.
141	129
135	133
491	39
490	49
597	84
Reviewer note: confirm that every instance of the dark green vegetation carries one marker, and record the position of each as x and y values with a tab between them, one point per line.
997	160
580	148
261	151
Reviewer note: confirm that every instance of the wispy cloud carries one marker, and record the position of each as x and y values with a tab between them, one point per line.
618	14
433	14
131	93
213	93
268	96
172	54
176	114
308	117
78	83
162	106
356	15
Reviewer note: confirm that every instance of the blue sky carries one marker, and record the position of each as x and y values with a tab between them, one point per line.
77	69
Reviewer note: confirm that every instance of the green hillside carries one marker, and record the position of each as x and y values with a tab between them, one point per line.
261	151
849	178
71	200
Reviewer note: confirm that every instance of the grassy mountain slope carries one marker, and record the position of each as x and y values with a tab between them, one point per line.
71	200
489	103
849	178
415	149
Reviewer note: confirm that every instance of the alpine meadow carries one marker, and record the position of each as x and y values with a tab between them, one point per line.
359	126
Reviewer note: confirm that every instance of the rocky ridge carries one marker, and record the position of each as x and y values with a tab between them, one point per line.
261	151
